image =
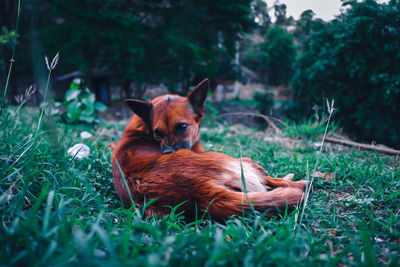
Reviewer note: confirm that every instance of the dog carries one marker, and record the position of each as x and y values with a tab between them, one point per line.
160	159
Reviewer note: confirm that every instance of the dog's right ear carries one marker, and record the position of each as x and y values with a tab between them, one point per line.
142	109
197	97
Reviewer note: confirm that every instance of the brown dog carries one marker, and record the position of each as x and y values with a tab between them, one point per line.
161	158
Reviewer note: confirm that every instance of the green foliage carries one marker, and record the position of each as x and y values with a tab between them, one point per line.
273	58
309	128
280	14
253	57
261	16
355	61
146	42
6	37
306	25
265	101
80	103
280	52
211	118
56	210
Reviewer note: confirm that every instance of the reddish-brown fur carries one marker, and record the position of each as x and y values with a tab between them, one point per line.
208	181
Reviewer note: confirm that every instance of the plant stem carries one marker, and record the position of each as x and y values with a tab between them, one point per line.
11	60
323	141
44	100
308	190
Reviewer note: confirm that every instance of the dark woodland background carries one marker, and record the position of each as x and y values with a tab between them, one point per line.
134	45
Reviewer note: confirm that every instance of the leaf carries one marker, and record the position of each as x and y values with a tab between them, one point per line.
75	83
86	118
74	109
88	99
395	194
88	110
71	94
100	107
88	102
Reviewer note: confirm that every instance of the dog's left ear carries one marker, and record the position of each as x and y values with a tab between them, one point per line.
198	96
142	109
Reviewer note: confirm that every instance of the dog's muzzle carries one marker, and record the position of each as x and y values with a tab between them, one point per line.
168	149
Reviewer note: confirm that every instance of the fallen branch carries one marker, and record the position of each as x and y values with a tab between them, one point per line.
267	120
381	149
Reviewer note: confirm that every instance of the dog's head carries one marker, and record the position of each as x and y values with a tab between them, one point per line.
174	120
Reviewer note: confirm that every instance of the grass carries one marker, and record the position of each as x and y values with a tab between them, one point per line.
56	210
14	44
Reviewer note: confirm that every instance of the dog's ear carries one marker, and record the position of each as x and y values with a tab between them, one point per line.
198	96
142	109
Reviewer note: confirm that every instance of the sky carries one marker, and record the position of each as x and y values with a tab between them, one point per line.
324	9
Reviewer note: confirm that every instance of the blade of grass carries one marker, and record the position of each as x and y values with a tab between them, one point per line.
47	211
12	60
125	183
244	184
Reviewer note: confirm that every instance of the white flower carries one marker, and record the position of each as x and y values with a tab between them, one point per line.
79	151
85	135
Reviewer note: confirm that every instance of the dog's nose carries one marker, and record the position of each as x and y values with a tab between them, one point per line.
168	150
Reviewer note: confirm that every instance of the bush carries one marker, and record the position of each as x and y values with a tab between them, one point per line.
80	103
265	102
280	52
355	60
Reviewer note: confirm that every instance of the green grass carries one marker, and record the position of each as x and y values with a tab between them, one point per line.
65	211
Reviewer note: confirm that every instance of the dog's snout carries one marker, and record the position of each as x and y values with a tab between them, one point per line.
167	150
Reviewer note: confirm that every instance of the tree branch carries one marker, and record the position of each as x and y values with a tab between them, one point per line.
267	120
386	150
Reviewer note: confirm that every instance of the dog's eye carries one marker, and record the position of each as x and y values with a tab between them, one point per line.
180	128
158	135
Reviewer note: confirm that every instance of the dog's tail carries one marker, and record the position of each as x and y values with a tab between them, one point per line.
227	202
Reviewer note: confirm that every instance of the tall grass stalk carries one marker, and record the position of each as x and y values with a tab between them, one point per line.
22	99
244	182
125	182
331	109
50	67
3	104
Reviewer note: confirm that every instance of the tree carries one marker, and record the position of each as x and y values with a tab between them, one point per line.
251	55
306	25
259	10
201	37
279	51
99	39
141	42
355	60
280	14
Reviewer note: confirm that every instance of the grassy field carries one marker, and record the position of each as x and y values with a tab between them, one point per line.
56	210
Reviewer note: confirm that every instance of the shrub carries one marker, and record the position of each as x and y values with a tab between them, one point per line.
265	101
280	52
80	103
355	60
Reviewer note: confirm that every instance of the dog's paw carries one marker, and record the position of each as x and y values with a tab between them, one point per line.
302	184
288	177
